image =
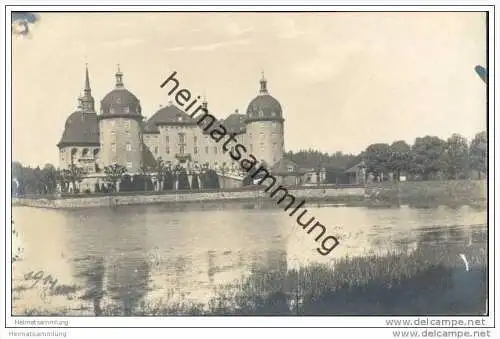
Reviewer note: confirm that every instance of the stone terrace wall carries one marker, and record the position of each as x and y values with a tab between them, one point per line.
142	199
442	191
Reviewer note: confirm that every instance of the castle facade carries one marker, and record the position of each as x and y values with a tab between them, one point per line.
118	133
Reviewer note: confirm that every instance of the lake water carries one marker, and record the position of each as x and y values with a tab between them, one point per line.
151	253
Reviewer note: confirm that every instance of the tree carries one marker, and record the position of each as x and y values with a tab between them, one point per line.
145	176
399	158
62	179
114	173
428	156
195	185
457	151
160	169
311	158
183	181
478	153
377	159
126	183
169	177
74	174
49	178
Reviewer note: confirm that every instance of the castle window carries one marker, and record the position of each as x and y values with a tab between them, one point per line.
274	145
195	150
290	168
206	149
182	143
195	139
113	147
167	139
129	147
156	150
85	152
113	132
167	150
129	164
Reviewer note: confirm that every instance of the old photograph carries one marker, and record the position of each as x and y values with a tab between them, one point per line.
171	164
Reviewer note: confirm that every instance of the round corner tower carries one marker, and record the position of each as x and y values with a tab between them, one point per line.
120	127
265	127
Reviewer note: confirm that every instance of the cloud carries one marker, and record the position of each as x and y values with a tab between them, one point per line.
175	49
124	42
326	62
217	45
234	30
22	22
287	29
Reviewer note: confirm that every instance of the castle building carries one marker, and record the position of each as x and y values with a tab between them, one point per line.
120	134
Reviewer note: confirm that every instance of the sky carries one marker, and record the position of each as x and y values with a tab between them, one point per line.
344	80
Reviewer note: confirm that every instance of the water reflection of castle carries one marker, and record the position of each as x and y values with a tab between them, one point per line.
130	266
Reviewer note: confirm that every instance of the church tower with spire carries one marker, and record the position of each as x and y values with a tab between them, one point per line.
87	98
120	122
79	144
264	127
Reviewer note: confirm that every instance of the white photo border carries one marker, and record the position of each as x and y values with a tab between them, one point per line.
362	323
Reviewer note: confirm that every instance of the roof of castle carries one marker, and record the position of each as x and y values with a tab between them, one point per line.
235	123
81	129
168	115
174	116
120	101
264	106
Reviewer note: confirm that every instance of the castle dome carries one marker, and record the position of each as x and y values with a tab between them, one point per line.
264	106
120	102
81	129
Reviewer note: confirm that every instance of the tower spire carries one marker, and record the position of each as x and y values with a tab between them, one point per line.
119	77
87	81
87	101
263	85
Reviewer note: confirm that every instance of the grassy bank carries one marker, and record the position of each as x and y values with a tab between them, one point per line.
430	280
445	192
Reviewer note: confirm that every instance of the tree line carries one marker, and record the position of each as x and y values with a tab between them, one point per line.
428	158
160	176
